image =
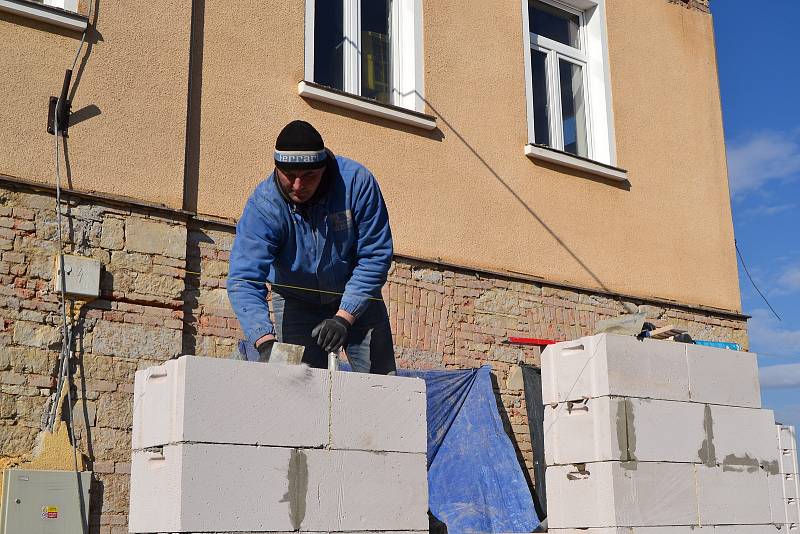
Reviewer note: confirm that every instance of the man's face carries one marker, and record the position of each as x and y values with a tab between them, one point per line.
300	185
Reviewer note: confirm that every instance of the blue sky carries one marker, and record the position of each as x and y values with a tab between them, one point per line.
759	79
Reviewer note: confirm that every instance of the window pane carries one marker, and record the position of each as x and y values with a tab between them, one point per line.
376	50
554	23
329	43
541	111
573	109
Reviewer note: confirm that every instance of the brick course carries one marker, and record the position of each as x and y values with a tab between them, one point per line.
163	294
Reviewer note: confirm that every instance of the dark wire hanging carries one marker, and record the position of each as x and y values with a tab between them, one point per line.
744	266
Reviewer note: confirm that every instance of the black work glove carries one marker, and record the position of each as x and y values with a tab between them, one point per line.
331	333
265	350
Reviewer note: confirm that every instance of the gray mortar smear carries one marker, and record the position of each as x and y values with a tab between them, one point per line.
626	435
622	430
707	452
298	488
631	424
772	468
740	464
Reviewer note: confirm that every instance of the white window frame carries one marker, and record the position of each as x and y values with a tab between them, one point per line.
68	18
593	57
69	5
406	41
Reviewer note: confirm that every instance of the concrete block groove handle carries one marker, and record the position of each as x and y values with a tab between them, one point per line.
578	475
154	455
157	372
578	406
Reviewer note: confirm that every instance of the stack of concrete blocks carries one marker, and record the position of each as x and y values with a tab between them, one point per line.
658	437
232	446
787	451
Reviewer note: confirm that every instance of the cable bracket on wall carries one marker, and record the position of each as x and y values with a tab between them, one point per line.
60	106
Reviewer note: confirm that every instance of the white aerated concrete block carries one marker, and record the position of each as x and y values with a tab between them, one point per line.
234	488
777	502
788	460
326	532
635	530
665	431
720	376
359	490
204	487
744	437
746	529
792	511
786	437
624	429
617	494
594	430
790	486
611	530
214	400
733	496
607	364
378	413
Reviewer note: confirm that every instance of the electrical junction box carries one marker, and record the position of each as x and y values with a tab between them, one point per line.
44	502
82	276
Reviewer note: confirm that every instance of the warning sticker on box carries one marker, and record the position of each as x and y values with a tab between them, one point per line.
49	512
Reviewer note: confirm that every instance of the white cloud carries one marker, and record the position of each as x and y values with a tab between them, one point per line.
761	158
774	210
766	211
771	337
780	376
790	279
783	281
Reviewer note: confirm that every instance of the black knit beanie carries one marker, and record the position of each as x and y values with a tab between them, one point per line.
299	146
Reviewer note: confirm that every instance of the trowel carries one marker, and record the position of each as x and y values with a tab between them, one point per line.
286	353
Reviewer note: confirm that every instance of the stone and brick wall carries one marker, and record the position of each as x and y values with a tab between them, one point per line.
163	294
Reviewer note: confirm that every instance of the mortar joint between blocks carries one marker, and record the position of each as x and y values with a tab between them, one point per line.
330	409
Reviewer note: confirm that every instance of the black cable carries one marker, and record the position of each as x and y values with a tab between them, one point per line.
65	374
739	253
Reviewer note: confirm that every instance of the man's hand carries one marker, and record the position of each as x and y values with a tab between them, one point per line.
264	349
331	333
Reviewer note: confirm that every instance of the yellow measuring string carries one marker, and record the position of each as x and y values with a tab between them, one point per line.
283	285
479	312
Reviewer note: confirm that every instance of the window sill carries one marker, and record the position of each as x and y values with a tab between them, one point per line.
314	91
49	14
565	159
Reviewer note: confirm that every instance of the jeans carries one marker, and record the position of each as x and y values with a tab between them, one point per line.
368	347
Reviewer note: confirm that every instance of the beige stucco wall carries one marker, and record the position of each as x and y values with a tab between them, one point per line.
464	194
136	75
467	194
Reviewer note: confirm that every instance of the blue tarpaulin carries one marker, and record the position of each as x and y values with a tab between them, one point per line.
475	482
718	344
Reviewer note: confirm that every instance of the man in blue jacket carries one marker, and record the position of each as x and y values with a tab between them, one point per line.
317	231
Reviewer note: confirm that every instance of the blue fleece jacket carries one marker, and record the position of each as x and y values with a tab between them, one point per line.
337	243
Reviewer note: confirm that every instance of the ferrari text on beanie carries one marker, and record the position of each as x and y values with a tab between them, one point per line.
299	146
